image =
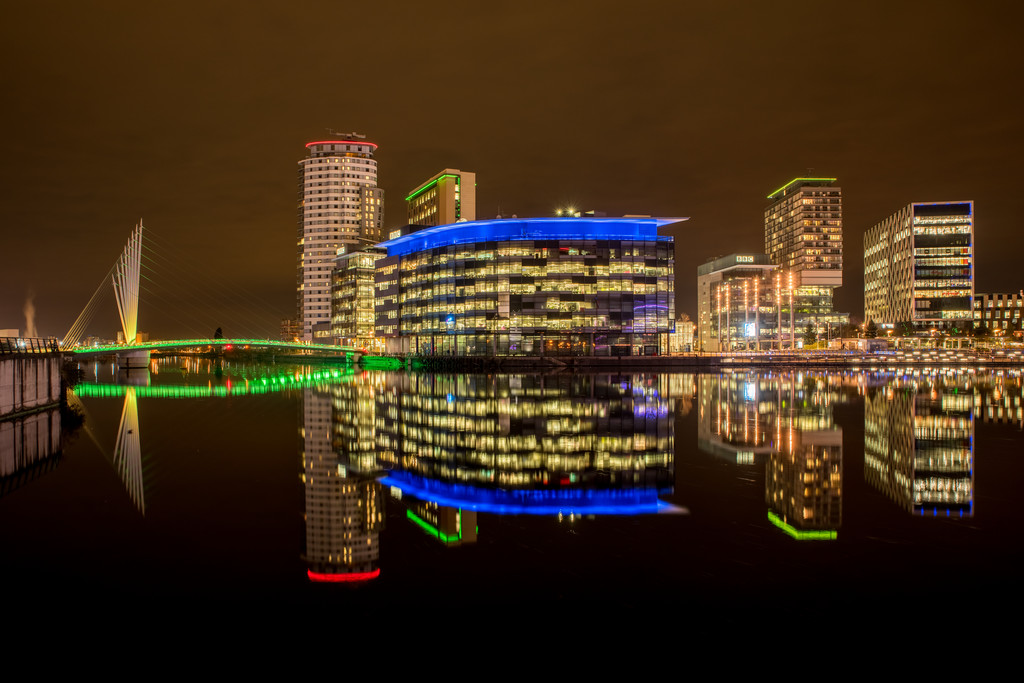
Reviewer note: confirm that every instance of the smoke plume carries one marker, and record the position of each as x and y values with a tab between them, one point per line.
30	316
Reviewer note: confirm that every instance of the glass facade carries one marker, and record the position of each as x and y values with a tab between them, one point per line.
352	299
919	266
538	287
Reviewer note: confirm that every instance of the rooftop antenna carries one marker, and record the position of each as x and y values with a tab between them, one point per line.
352	135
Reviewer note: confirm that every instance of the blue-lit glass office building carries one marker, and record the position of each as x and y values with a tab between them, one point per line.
533	287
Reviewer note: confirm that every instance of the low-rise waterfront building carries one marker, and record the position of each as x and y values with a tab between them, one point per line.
998	311
736	303
536	287
681	340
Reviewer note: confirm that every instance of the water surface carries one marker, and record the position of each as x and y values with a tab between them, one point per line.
680	497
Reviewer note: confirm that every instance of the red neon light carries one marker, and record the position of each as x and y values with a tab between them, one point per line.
340	142
342	578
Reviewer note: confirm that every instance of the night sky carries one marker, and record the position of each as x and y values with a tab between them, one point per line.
193	116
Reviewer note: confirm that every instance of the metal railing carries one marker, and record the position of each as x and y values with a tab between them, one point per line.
10	346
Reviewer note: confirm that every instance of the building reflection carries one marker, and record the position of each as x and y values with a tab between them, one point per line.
786	420
451	526
919	442
30	446
344	513
528	444
998	398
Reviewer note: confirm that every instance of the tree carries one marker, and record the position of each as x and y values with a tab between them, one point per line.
810	335
219	334
871	331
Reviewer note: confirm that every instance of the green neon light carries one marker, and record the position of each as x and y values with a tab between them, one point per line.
176	343
816	535
429	185
797	180
430	528
262	385
380	363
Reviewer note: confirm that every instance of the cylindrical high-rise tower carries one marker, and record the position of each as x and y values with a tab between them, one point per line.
340	207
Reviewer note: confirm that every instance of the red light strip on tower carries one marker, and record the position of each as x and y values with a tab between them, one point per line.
340	142
342	578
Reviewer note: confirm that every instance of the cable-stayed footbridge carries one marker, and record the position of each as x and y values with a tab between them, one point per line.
127	279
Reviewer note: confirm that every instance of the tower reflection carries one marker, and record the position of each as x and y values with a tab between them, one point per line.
787	420
344	514
919	442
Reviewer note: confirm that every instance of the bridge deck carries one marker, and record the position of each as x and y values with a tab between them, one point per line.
227	344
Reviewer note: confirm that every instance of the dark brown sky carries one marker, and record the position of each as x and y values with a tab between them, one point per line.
193	116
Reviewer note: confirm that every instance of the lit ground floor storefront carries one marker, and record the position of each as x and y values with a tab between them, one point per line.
530	344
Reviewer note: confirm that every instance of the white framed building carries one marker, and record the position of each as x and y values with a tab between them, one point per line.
919	266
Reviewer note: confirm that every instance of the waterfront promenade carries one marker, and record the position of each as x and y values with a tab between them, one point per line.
929	357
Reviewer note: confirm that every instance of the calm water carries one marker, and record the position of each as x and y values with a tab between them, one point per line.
679	496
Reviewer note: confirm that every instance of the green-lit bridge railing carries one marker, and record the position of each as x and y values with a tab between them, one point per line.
226	344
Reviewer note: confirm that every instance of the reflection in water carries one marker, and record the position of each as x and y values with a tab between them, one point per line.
450	446
528	444
128	450
919	442
29	447
451	526
344	513
787	419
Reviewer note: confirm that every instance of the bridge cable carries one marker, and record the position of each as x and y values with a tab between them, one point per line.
199	285
191	298
74	334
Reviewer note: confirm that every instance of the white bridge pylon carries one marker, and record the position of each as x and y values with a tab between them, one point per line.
126	284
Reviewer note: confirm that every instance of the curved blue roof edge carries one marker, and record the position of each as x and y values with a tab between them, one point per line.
513	229
624	502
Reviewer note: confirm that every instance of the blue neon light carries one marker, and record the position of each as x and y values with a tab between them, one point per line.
530	501
507	230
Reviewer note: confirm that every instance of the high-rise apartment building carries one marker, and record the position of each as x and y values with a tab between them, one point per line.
919	266
803	234
340	208
447	197
803	230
